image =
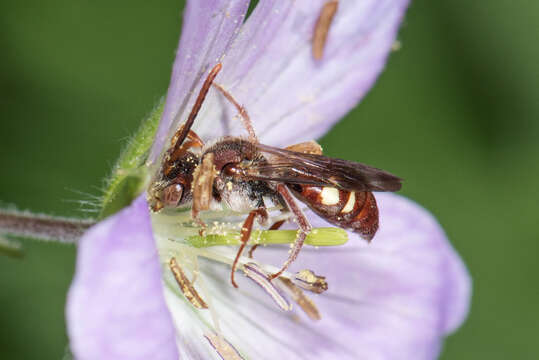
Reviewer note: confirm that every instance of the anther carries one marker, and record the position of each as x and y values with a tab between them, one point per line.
225	350
303	301
321	28
308	280
186	286
255	273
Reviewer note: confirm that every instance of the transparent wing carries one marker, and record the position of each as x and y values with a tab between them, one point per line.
300	168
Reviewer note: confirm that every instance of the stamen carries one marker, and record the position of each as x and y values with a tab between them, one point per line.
308	280
227	257
304	302
322	26
255	273
225	350
205	292
186	286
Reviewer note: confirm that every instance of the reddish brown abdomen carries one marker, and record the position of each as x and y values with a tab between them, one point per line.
355	211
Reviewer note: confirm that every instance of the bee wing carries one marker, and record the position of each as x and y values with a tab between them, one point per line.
311	169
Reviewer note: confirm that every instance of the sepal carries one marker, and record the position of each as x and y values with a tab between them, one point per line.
130	175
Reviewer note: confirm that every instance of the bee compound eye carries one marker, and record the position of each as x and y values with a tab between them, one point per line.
172	195
231	169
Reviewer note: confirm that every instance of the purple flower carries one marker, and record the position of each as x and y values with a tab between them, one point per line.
396	298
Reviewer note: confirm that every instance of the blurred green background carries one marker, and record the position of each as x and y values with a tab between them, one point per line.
455	114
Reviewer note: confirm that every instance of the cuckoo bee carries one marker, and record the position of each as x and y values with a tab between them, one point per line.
243	173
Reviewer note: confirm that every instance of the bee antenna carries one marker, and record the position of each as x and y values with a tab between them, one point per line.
182	133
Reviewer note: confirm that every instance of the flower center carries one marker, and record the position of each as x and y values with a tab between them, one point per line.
181	246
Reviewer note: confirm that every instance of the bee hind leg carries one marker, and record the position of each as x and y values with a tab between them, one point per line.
304	228
245	235
307	147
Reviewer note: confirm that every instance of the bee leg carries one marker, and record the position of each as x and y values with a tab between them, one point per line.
307	147
245	235
202	186
275	226
177	150
304	228
184	130
243	113
192	137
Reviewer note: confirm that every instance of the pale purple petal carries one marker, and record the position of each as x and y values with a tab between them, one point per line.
208	27
268	67
396	298
282	86
411	249
116	307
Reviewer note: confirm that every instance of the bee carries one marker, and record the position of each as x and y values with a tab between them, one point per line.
244	174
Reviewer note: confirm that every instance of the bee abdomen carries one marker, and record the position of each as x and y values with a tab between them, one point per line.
355	211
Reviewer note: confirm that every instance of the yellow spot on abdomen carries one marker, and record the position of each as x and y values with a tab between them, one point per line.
329	196
350	203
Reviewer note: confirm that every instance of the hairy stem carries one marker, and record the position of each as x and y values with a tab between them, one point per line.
10	248
43	227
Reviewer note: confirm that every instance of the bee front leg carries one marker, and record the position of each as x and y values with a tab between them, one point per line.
245	235
202	186
304	228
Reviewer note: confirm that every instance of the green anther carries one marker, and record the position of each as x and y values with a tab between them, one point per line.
317	237
129	176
